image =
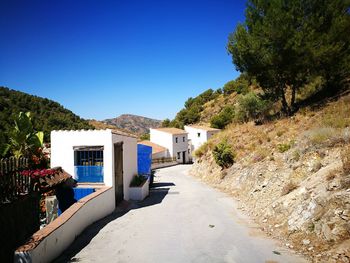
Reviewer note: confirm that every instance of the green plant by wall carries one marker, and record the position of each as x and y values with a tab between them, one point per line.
223	154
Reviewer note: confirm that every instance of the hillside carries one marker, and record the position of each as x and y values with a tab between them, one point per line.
133	123
292	175
47	115
101	126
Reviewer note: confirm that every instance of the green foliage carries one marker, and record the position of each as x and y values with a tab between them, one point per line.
223	118
47	115
240	85
203	149
145	137
251	107
166	123
284	44
23	139
138	180
283	147
223	154
193	107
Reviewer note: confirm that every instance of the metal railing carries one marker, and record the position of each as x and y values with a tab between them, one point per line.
12	183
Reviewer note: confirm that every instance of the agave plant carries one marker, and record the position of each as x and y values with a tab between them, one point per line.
23	139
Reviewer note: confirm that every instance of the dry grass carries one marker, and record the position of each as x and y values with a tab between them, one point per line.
289	187
331	175
345	158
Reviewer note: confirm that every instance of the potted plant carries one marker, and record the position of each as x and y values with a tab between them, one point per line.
139	187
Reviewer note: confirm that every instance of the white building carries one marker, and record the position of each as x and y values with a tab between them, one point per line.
198	135
158	151
173	139
97	156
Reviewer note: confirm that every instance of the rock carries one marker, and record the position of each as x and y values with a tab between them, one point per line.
265	220
306	242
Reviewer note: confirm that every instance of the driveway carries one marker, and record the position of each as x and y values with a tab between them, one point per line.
183	220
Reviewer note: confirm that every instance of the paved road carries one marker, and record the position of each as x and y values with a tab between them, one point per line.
183	220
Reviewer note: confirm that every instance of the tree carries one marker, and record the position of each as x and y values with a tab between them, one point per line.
166	123
285	43
223	118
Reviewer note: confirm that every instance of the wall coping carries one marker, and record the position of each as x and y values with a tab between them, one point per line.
41	234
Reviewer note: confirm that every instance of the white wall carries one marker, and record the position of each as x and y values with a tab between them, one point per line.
129	160
162	154
64	234
163	139
196	141
62	153
168	140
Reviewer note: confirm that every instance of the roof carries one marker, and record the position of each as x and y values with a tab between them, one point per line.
205	128
171	130
155	147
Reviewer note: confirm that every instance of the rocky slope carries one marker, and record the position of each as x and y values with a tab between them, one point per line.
293	177
133	123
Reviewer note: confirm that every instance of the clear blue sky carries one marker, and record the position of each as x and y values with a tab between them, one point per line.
104	58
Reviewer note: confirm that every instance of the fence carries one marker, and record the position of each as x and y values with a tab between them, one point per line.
164	160
12	183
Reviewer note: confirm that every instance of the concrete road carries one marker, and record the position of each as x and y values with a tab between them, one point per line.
183	220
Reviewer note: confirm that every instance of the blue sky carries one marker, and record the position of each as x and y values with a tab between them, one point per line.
101	59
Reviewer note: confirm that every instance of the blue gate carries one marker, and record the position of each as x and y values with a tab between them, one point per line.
144	159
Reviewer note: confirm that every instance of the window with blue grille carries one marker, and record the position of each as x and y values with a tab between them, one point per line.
88	164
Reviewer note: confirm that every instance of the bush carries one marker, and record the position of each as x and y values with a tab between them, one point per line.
203	149
251	107
223	154
223	118
283	147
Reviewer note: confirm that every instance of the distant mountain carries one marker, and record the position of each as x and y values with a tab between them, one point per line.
99	125
47	115
133	123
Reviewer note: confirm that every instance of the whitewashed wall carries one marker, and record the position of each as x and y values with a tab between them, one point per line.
64	230
129	160
62	153
196	141
168	141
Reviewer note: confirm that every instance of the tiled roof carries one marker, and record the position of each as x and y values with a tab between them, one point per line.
171	130
155	147
205	128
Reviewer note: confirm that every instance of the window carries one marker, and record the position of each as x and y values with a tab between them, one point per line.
199	134
179	155
88	164
176	139
188	151
183	139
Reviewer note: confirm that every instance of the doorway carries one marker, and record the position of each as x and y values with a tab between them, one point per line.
118	172
184	157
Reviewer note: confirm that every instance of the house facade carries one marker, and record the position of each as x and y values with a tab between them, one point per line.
174	140
97	156
158	151
198	135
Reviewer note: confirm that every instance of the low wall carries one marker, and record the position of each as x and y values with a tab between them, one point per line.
48	243
163	165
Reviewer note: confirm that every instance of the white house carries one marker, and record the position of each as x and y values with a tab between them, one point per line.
173	139
101	157
198	135
157	150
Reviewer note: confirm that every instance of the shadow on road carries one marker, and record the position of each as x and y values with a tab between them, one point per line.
157	194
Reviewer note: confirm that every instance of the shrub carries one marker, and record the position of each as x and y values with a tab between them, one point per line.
223	118
223	154
203	149
251	107
283	147
138	180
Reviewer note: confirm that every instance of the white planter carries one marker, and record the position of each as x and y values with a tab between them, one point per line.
139	193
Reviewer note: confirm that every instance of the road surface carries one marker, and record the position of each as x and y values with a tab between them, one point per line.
183	220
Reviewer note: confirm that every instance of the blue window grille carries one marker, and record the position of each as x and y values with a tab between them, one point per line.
88	164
